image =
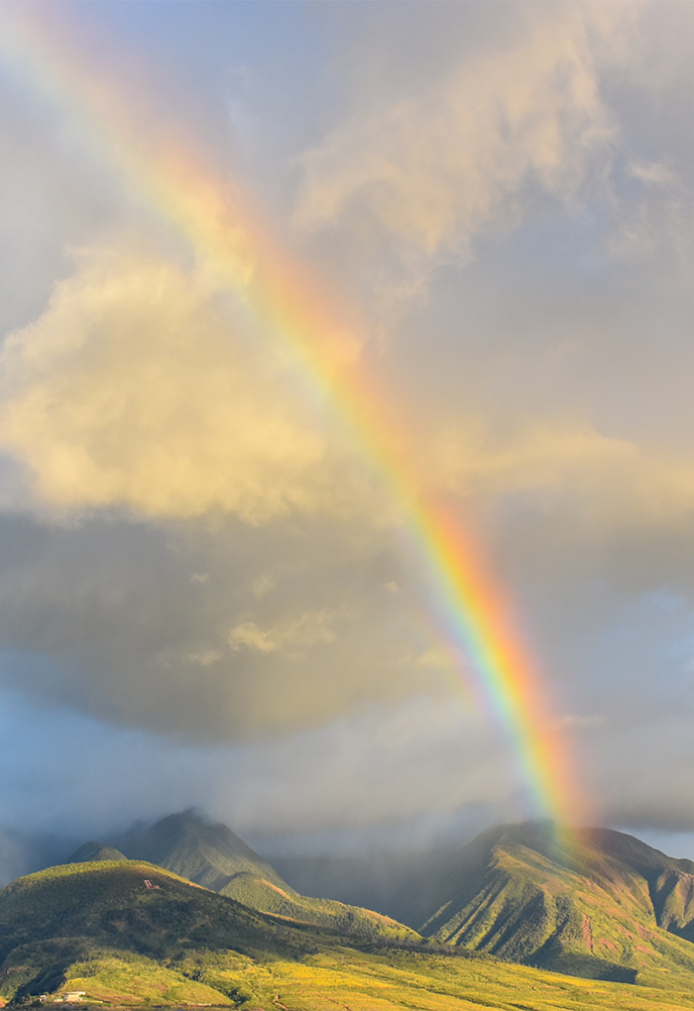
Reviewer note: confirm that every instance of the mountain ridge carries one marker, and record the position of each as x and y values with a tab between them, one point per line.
130	934
594	903
201	850
580	903
210	854
92	851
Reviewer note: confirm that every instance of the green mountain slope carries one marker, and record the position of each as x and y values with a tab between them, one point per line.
212	855
202	851
79	913
600	904
90	851
670	881
98	928
270	898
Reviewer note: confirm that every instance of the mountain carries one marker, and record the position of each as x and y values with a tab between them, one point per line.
670	881
201	850
595	903
592	903
90	851
62	927
129	934
210	854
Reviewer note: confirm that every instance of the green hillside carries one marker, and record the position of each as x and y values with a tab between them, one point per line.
202	851
98	928
90	851
74	914
212	855
599	905
269	898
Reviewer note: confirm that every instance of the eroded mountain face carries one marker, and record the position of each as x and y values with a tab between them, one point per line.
593	903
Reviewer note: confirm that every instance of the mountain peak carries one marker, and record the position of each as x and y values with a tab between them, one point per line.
191	844
590	902
92	851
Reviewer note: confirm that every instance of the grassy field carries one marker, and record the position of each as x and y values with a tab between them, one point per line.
361	981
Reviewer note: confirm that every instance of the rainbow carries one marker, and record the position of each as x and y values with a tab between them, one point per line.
227	236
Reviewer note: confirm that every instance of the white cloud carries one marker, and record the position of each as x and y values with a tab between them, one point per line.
307	629
135	388
611	481
434	167
653	173
263	585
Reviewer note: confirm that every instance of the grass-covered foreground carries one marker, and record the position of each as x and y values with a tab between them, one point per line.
97	928
346	978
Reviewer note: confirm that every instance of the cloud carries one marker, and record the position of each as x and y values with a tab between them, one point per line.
611	482
263	585
653	173
309	628
382	767
640	792
430	169
102	617
200	533
573	721
138	388
205	657
203	560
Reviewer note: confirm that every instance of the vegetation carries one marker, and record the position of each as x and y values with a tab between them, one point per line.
97	927
268	898
212	855
590	904
598	905
200	850
90	851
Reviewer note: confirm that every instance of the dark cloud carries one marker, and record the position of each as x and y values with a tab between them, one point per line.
204	633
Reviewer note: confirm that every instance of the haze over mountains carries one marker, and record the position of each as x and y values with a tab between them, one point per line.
131	934
183	911
595	903
196	848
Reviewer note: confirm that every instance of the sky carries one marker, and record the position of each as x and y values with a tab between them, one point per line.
209	593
